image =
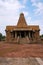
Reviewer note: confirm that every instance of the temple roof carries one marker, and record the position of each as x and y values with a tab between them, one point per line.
21	21
22	25
22	28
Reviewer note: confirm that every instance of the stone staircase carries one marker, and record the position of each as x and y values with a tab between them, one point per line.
20	40
24	40
28	40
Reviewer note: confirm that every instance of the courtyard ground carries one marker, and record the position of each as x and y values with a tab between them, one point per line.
21	50
21	54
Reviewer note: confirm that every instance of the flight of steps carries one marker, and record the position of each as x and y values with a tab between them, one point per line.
24	40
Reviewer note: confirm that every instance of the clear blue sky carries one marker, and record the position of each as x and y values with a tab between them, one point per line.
11	9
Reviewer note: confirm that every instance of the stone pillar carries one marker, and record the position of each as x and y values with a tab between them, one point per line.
25	34
32	34
29	35
12	35
9	36
15	34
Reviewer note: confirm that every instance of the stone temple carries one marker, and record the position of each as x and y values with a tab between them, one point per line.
22	33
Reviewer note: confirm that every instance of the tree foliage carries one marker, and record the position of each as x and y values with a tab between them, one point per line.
41	36
2	38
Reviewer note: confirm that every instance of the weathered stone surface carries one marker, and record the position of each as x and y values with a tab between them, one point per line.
19	61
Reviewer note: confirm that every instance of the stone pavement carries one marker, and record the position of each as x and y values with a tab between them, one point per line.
21	61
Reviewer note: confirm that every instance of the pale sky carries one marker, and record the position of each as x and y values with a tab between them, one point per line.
11	9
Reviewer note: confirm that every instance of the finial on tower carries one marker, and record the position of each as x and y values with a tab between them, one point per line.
21	14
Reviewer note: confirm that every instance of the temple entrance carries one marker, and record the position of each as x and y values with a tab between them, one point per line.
22	34
18	33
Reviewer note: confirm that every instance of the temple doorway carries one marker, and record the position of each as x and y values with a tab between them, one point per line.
22	34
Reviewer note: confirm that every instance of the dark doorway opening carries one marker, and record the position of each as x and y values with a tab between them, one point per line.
22	34
18	33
